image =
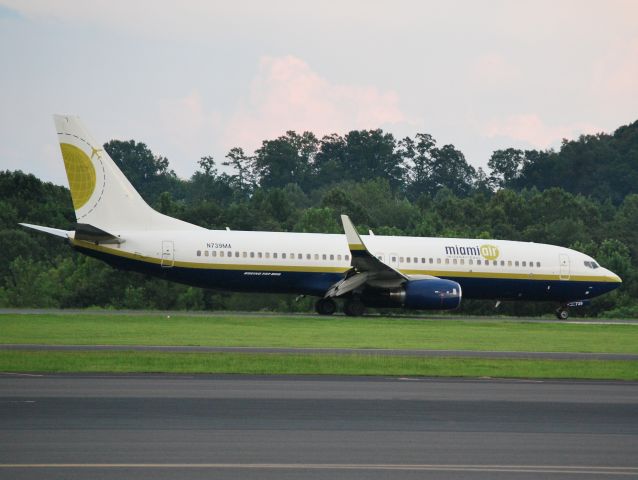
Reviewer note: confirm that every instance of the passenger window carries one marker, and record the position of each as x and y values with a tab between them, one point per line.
274	255
267	254
478	262
401	260
447	261
509	263
454	261
332	257
416	260
252	254
205	253
283	255
538	264
236	254
462	262
316	256
470	262
348	257
258	254
516	263
221	253
438	260
300	256
422	260
431	260
407	260
244	254
524	263
292	256
199	253
394	259
212	254
502	263
338	257
323	257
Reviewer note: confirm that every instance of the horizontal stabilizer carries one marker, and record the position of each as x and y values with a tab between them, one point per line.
89	233
51	231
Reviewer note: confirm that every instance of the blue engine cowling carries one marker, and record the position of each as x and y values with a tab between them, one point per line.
431	294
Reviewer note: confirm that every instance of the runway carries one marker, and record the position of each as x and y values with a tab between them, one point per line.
327	351
232	427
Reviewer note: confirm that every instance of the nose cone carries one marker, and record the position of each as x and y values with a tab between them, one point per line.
612	280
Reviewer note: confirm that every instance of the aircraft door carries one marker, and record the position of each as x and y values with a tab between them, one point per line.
168	254
564	266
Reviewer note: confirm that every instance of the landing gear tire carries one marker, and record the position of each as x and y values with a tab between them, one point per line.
562	314
325	306
354	307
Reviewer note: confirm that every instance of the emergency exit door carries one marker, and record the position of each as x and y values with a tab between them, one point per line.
168	254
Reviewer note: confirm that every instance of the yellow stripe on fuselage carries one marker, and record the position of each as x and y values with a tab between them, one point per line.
210	266
328	269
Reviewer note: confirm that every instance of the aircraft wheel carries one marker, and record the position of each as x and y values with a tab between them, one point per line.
354	307
325	306
562	314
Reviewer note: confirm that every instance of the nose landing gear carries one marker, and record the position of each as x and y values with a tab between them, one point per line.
562	312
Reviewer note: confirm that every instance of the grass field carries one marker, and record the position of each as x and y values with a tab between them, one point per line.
309	331
273	364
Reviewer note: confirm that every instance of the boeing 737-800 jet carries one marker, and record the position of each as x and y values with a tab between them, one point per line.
116	225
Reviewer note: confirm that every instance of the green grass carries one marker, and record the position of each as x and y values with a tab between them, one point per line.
122	362
308	331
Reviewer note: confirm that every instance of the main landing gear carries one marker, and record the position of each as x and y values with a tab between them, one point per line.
325	306
353	306
562	313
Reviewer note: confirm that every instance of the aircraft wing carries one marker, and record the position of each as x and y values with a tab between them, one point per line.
366	268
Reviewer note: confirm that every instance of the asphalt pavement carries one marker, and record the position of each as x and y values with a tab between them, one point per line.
232	427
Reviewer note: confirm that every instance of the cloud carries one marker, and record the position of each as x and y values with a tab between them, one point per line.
530	129
287	94
493	69
10	14
185	119
616	74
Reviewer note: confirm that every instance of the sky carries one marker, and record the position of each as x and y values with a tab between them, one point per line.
196	78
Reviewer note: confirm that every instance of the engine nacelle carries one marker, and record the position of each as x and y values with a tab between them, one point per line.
431	294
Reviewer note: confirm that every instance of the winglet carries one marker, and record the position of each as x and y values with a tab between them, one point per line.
354	240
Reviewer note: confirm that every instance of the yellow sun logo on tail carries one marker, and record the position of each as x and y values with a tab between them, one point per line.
80	172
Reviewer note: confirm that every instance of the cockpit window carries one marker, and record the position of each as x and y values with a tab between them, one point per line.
592	264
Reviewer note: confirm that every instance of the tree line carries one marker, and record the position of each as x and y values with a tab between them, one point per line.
579	196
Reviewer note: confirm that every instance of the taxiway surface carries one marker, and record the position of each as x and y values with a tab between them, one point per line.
159	426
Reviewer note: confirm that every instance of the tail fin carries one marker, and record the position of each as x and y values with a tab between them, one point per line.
102	196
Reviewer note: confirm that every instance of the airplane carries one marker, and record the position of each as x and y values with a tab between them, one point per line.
115	225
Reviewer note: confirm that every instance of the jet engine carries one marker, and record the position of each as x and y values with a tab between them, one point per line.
428	294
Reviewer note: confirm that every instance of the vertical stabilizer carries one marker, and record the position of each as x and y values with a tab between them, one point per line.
102	196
